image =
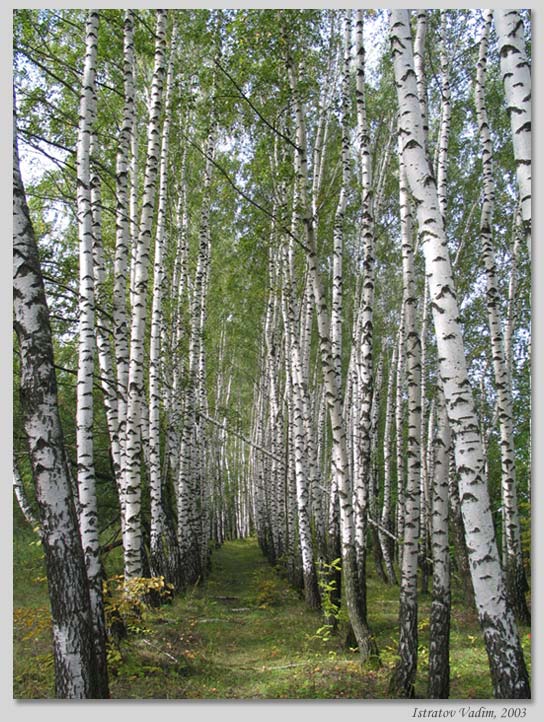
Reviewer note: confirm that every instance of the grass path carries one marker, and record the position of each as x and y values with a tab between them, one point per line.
244	633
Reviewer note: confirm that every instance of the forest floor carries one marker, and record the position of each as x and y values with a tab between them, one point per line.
243	634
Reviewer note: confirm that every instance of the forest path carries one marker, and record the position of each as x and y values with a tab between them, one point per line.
245	633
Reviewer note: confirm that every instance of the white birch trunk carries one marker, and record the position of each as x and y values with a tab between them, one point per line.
158	558
132	531
403	678
88	509
439	648
76	674
516	75
445	120
122	245
515	576
22	499
508	670
385	519
364	319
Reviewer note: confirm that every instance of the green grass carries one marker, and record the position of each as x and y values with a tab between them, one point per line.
247	634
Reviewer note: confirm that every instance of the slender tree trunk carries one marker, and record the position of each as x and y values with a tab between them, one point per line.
88	508
364	321
22	499
399	435
102	325
76	672
403	678
132	531
122	245
445	120
515	575
516	75
374	487
439	649
424	475
385	541
158	554
507	664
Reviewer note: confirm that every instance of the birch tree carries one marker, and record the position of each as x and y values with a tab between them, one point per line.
76	671
356	610
363	324
88	512
157	536
515	576
402	680
516	75
439	649
122	244
507	665
132	531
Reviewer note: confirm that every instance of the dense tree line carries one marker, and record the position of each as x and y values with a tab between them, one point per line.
272	277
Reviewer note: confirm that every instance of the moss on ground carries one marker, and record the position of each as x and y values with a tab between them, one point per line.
246	633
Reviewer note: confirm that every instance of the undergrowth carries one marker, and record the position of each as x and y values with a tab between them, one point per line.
244	634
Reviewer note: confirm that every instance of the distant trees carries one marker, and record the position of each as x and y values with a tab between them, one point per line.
282	326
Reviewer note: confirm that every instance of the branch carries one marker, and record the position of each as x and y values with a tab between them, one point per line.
255	109
244	195
224	427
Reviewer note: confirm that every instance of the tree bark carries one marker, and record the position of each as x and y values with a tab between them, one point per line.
439	648
516	75
132	531
507	664
76	673
403	678
515	575
88	506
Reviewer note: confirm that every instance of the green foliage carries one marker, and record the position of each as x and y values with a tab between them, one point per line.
327	588
126	599
216	641
267	594
31	622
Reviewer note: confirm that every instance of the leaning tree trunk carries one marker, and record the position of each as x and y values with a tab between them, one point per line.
88	507
22	500
76	672
507	663
514	572
516	75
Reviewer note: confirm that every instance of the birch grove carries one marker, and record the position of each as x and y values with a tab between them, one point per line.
271	281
